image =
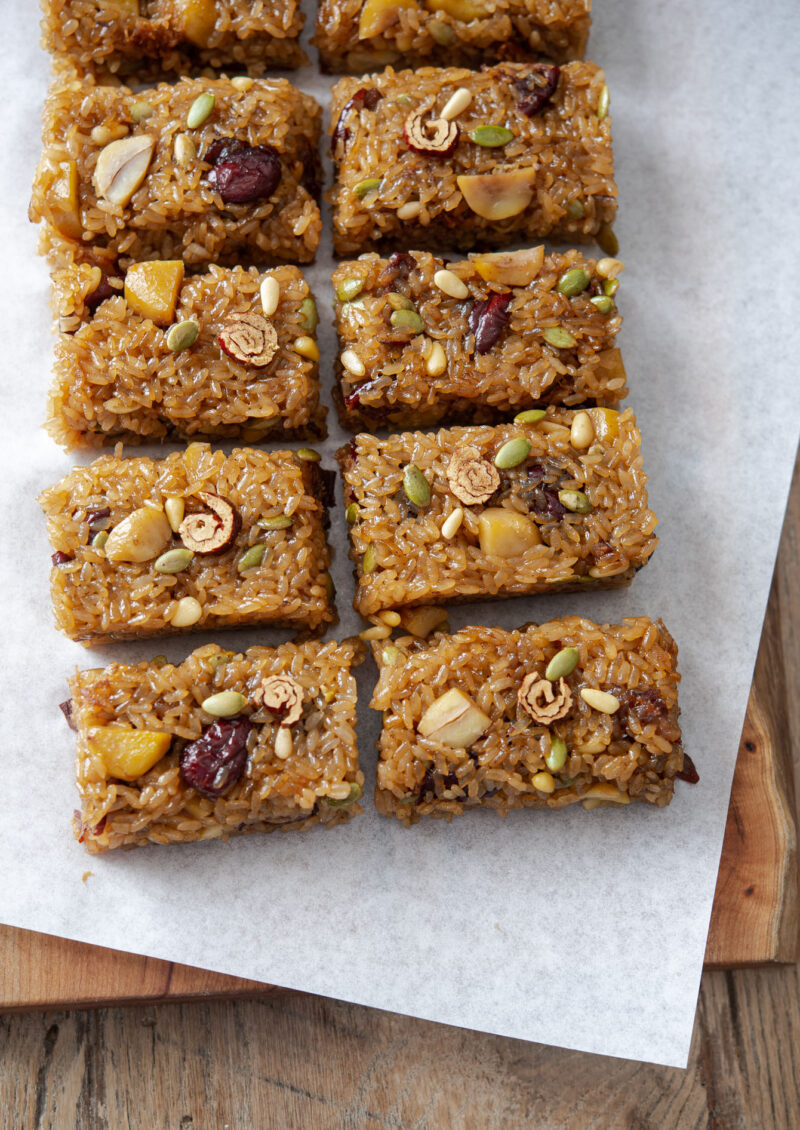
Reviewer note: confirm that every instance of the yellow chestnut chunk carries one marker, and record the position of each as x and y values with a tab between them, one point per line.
453	720
420	622
605	421
465	10
604	793
139	537
196	19
151	289
128	754
510	268
377	16
62	200
505	533
497	196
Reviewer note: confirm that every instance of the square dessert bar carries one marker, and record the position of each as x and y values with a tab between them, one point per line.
360	35
149	547
153	355
201	171
422	340
221	744
473	513
541	717
455	158
146	39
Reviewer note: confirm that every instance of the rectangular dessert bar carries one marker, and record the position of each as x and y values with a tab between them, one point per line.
355	36
443	158
541	717
198	540
153	355
146	39
221	744
423	341
478	512
201	171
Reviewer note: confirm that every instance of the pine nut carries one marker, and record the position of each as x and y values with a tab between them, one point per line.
409	211
283	743
270	296
184	150
451	284
543	781
187	612
610	268
456	104
307	347
600	700
241	82
452	522
174	508
379	632
353	363
437	360
390	618
581	434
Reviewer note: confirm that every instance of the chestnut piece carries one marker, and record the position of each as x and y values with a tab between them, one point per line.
213	533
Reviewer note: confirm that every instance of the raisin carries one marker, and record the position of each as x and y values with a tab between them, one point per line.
66	710
399	266
648	707
101	292
97	518
216	760
367	99
243	173
59	558
488	319
689	772
537	88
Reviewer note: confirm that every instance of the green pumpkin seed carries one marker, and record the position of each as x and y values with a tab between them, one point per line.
140	110
306	454
308	315
364	187
330	588
99	540
351	513
173	561
575	500
559	337
602	104
369	561
407	320
399	301
573	282
182	335
608	241
491	136
565	782
224	704
442	34
512	453
158	661
416	486
279	522
610	287
557	755
252	558
390	655
355	793
576	209
603	303
200	109
562	664
530	416
347	289
220	659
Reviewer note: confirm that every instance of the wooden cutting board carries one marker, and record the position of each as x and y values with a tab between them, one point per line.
755	918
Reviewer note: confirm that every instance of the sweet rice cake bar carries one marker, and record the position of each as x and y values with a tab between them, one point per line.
153	355
202	171
422	340
361	35
198	540
545	505
455	158
223	743
542	717
145	39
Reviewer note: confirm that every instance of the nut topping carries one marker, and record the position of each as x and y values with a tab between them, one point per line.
537	697
212	533
122	166
282	695
436	136
249	338
472	478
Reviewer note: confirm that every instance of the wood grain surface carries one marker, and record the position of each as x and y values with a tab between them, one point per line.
290	1060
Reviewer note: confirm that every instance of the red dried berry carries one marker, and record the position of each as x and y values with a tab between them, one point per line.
367	98
243	173
537	88
689	772
216	760
488	319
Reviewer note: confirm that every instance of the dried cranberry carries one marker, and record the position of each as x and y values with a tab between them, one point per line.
367	99
689	772
66	710
243	173
488	319
59	558
101	292
537	88
216	760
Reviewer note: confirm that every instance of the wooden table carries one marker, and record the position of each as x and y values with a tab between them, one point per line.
291	1060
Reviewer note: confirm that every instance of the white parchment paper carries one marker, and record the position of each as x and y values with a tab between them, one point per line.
583	930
